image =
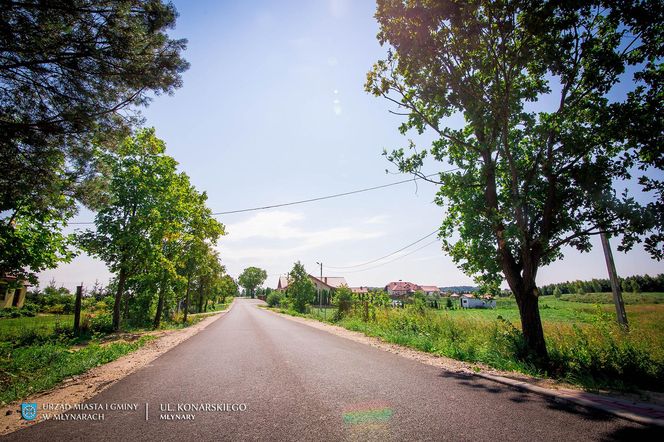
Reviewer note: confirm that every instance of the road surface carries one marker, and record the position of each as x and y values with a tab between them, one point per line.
300	383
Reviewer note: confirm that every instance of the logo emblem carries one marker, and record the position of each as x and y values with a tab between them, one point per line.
29	411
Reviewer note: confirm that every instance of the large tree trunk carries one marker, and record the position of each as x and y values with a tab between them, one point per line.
519	275
126	306
531	324
522	284
122	278
160	306
200	297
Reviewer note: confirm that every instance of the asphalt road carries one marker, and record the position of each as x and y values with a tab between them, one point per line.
300	383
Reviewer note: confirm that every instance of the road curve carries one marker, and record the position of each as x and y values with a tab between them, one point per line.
300	383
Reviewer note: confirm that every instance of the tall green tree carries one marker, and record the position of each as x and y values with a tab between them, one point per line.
140	172
227	287
201	233
154	224
206	282
183	220
527	182
301	290
252	278
72	76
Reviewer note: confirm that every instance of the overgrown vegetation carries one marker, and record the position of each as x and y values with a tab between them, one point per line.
586	347
26	370
38	350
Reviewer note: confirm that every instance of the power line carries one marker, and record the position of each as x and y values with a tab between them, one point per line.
383	257
310	200
395	259
336	195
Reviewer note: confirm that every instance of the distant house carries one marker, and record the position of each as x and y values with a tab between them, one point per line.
12	292
283	283
360	290
399	289
331	281
430	289
470	301
328	283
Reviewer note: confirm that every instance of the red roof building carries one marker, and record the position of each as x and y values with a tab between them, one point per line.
399	289
325	283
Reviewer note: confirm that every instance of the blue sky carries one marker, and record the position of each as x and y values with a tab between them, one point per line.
272	110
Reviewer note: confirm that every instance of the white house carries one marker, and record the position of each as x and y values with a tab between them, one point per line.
469	301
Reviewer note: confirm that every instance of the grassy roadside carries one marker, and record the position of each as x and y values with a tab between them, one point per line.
37	353
35	368
219	307
585	346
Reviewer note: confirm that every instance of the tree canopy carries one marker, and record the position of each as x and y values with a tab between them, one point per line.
527	179
227	287
72	76
252	278
301	290
156	229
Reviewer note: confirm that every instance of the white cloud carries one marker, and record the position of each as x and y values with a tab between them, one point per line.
286	228
378	219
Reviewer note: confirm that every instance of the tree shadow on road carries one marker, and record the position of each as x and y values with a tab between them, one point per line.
631	431
642	433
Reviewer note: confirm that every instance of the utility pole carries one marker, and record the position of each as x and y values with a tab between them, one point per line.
615	283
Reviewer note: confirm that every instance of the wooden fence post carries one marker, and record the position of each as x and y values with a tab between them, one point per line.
77	310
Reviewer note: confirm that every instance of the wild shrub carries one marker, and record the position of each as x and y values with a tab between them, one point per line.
604	354
101	322
274	299
28	310
343	301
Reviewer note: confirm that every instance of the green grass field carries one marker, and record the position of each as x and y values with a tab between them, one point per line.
572	310
641	315
42	325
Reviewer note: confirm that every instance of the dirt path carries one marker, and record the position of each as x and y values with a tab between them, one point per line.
86	385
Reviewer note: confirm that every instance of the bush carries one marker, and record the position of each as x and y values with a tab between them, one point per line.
30	309
13	312
274	299
343	301
57	309
301	290
101	322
